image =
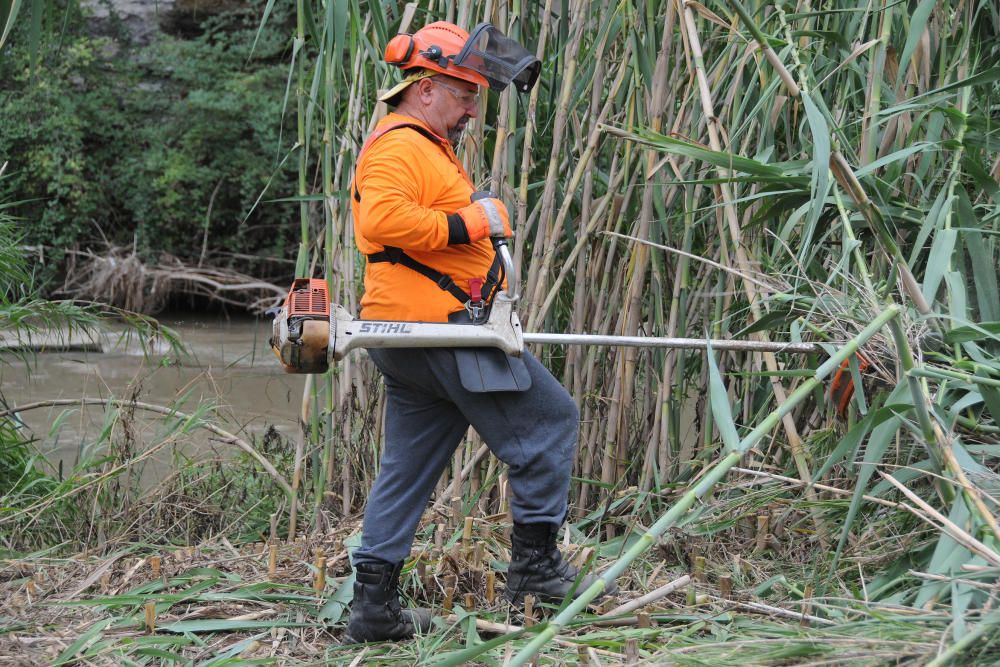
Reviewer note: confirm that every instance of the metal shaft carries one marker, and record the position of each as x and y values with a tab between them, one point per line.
674	343
513	294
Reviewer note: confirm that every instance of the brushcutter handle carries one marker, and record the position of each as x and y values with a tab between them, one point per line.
512	293
500	245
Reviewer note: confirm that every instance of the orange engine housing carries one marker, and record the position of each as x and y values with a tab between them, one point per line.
301	329
309	297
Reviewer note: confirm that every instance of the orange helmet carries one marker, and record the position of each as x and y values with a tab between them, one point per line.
486	57
433	47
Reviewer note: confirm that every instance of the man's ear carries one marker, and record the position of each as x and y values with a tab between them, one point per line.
424	88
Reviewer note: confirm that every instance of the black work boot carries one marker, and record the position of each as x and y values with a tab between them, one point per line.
375	612
537	567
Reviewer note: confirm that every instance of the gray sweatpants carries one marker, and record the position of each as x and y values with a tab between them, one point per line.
427	414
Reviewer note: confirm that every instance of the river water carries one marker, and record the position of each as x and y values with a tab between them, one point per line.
228	365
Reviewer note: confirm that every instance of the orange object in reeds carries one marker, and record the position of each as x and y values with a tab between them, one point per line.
842	386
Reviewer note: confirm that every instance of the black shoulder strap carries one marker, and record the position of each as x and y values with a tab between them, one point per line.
397	256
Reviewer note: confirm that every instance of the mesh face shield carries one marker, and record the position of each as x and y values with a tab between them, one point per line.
498	58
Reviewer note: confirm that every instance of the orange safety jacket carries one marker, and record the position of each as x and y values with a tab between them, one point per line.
407	181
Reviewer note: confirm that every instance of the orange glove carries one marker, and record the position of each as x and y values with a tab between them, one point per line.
483	217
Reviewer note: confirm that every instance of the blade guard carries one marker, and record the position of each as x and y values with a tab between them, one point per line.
301	333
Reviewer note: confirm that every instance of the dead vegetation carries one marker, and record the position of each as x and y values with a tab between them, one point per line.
707	598
120	277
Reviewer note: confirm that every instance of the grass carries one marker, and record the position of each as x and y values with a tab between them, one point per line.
219	602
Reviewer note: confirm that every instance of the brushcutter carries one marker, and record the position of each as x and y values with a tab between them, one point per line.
309	334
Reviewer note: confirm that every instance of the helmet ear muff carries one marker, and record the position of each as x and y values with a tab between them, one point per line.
399	50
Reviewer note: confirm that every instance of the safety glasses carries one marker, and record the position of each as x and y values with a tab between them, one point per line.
463	96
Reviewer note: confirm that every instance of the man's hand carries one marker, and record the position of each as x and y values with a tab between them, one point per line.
482	218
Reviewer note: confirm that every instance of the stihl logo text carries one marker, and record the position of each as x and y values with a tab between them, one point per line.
386	327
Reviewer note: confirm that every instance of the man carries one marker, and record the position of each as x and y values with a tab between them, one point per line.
427	237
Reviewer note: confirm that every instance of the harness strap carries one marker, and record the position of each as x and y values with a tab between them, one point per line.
397	256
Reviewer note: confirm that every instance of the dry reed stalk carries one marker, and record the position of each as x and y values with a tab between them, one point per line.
546	235
150	617
588	219
467	531
154	566
762	42
319	581
762	531
631	651
139	562
584	167
300	444
653	596
699	570
725	586
584	556
608	303
820	487
807	593
778	611
944	523
272	561
529	135
457	479
729	211
491	586
628	323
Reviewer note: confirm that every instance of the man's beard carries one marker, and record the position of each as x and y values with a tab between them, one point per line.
457	130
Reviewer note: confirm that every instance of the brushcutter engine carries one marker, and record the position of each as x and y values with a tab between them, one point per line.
301	331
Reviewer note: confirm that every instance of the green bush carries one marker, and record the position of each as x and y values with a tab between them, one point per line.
111	142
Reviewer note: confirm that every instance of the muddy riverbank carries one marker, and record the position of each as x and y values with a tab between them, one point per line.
227	365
